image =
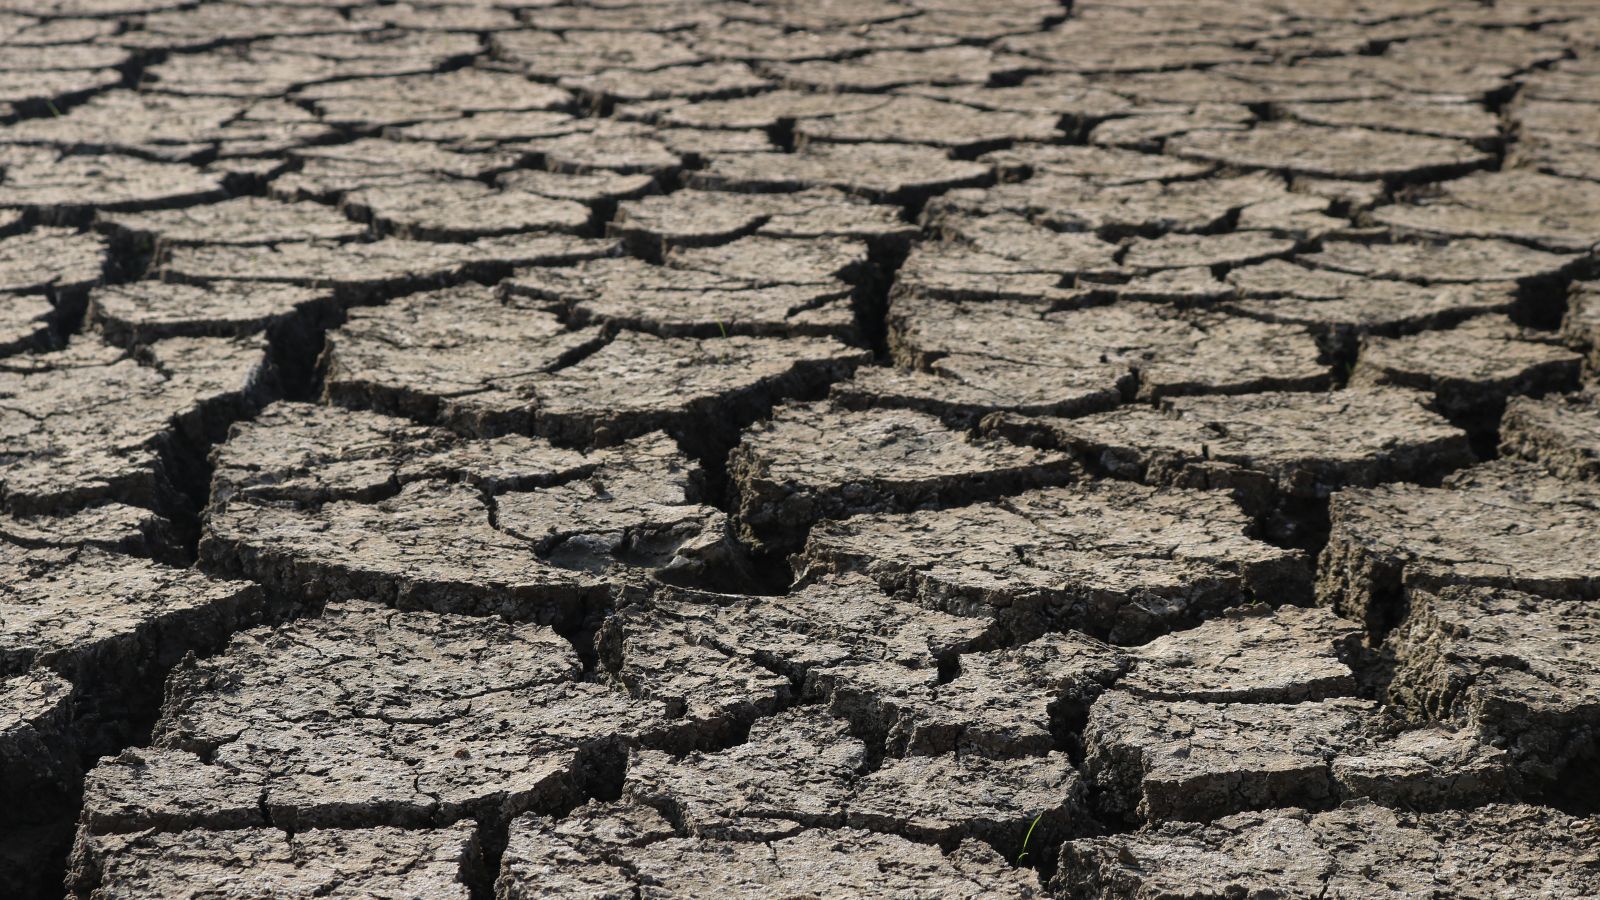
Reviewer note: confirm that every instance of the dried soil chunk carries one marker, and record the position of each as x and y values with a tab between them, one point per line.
560	860
1254	654
460	356
1006	251
262	70
60	449
1562	432
817	461
1105	165
898	173
167	790
840	640
1447	262
1072	203
1560	215
692	388
1519	669
1463	121
1176	251
109	526
205	26
1554	157
590	47
1171	351
388	264
1020	701
1156	760
387	160
951	271
1580	327
689	218
51	260
1341	308
22	92
69	188
1471	369
765	111
459	210
144	311
311	454
1358	851
266	862
654	225
367	717
947	799
1353	153
112	625
171	128
607	145
1503	524
795	770
964	388
26	323
1268	448
375	102
242	220
679	302
918	120
887	69
1305	217
1149	132
485	132
592	189
534	551
766	260
636	511
1433	767
1112	558
41	770
702	82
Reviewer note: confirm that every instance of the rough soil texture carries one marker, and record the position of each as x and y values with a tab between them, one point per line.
892	448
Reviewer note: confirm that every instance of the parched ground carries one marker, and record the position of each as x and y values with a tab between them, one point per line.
499	449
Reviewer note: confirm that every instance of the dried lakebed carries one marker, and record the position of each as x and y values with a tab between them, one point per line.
664	449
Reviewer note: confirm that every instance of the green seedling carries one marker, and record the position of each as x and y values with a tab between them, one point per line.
1028	837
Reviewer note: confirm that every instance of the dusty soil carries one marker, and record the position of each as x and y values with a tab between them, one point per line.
888	448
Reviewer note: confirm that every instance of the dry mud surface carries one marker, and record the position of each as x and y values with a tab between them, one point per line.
499	449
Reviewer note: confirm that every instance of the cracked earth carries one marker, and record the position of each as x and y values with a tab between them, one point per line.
498	449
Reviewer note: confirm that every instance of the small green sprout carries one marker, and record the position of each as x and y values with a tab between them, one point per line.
722	328
1028	837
